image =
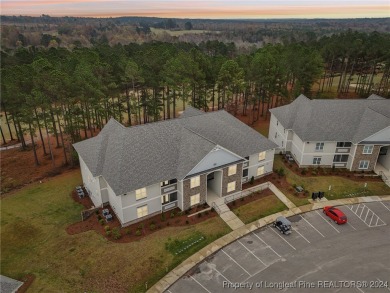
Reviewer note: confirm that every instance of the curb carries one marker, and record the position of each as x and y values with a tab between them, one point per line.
174	275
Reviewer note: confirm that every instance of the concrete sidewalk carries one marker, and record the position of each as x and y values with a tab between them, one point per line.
196	258
226	214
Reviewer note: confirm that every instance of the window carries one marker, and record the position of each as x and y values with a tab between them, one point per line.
367	149
195	181
140	193
340	158
364	164
245	173
231	186
142	211
260	171
195	199
232	170
319	146
164	183
262	156
316	160
165	198
344	144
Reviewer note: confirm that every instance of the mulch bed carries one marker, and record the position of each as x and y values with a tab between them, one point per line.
172	218
250	198
351	175
27	281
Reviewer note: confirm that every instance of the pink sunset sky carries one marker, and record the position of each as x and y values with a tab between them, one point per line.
200	8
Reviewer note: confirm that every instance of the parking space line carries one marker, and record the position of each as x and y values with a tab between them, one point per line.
371	219
351	226
360	289
283	239
362	211
366	215
252	253
268	246
236	262
385	206
218	272
312	226
301	235
200	284
327	222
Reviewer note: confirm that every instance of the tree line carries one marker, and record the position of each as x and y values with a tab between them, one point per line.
71	93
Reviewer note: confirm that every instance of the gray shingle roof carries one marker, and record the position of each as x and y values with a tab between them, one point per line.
335	120
138	156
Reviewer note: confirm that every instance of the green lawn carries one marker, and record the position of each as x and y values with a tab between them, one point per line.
34	240
340	187
259	209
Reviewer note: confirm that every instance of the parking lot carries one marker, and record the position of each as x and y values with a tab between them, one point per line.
318	255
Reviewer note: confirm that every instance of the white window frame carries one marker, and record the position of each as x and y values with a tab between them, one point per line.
195	182
319	146
231	186
260	171
317	160
140	193
164	183
165	198
195	199
232	170
368	149
262	156
142	211
362	163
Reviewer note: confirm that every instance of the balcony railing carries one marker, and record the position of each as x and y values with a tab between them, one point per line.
169	188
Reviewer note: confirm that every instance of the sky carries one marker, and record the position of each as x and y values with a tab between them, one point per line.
225	9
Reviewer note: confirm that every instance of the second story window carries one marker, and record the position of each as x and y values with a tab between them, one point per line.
140	193
344	144
195	181
232	170
367	149
319	146
261	156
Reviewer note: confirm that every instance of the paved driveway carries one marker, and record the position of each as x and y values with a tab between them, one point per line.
318	254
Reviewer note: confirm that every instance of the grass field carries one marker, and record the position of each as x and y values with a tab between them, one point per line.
34	240
259	208
341	187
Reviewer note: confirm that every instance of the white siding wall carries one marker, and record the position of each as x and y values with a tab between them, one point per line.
277	133
297	147
327	154
90	182
130	204
115	203
351	156
254	163
180	194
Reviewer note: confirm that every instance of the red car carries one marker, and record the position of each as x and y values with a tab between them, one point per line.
335	214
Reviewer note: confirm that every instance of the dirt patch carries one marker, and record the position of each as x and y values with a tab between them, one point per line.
27	281
138	230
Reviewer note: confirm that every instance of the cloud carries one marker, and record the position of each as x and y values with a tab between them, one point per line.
200	8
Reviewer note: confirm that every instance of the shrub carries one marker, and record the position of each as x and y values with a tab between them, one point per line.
187	222
252	181
127	232
163	217
107	228
138	232
101	221
303	172
172	214
97	212
99	217
141	226
187	211
116	232
152	227
281	172
294	185
108	233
